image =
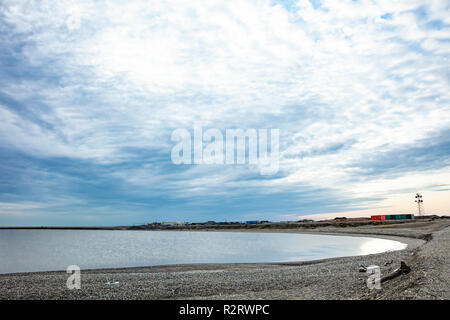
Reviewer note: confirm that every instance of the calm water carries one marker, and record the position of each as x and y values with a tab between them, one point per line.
45	250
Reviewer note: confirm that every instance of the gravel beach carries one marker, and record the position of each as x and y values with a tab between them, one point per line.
339	278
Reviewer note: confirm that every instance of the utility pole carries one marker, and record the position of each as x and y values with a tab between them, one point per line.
419	202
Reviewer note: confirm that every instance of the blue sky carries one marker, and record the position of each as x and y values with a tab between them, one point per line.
90	93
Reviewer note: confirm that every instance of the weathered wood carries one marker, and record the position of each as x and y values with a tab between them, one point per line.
404	269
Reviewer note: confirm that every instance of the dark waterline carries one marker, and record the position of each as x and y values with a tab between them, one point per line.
49	250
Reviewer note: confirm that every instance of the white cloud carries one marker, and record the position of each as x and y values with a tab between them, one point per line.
133	71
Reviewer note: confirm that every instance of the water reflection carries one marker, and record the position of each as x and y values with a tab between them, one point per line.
372	246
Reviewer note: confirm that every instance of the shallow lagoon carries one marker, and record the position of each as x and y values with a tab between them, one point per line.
48	250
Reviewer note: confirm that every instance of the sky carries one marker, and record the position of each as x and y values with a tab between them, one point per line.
91	91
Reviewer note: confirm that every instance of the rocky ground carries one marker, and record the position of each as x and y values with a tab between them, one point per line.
427	255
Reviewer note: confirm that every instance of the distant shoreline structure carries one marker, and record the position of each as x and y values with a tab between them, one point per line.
254	224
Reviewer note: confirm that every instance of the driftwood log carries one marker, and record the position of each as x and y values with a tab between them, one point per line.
404	269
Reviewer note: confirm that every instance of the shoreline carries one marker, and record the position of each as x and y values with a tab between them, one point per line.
331	278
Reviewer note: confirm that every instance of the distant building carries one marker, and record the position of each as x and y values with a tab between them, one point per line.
173	223
393	217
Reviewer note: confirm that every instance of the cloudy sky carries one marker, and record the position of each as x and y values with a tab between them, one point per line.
90	93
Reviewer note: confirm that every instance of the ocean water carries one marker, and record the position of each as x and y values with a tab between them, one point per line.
48	250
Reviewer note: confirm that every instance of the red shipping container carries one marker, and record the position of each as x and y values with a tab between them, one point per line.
378	217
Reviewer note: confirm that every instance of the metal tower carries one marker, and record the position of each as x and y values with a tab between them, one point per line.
419	202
